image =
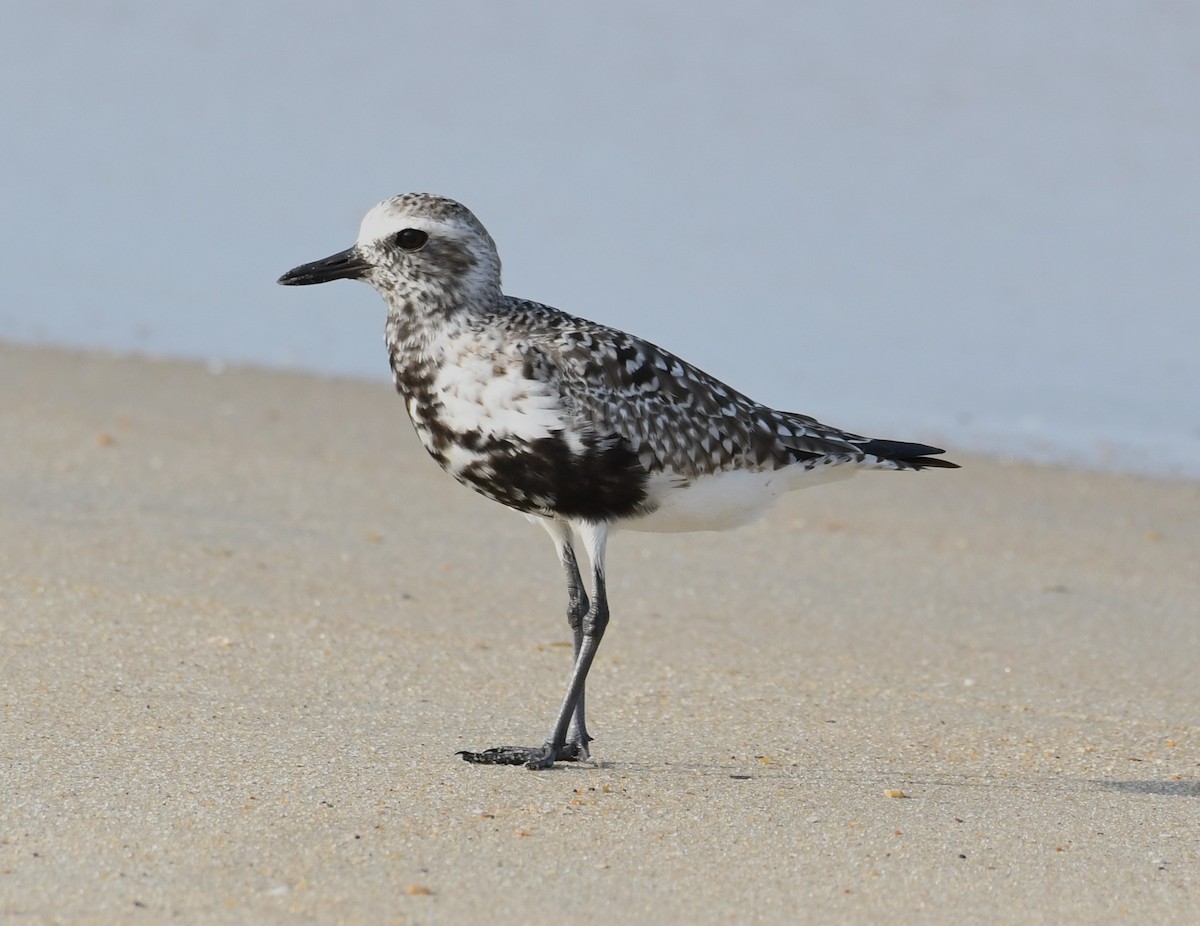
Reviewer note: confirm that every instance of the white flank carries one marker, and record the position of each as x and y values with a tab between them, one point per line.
724	500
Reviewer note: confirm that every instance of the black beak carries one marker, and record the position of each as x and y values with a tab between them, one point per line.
344	265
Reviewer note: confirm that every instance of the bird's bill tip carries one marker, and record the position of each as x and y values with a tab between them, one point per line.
344	265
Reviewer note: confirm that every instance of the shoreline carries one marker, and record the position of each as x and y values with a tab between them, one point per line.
1032	449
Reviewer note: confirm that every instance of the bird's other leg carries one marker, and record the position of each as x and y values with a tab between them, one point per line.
569	738
577	609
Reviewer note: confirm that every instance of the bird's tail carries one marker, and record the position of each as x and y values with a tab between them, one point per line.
905	455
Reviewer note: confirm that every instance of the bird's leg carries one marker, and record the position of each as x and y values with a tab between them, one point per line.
569	738
570	729
557	748
577	610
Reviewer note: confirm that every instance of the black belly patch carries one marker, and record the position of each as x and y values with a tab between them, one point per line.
602	482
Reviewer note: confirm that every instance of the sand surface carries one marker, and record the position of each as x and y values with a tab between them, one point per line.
245	623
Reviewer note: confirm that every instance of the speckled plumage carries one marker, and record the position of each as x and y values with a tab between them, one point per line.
579	426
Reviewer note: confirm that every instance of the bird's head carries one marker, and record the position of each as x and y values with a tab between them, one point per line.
415	247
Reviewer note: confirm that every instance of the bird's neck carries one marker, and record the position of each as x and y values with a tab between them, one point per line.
417	326
418	333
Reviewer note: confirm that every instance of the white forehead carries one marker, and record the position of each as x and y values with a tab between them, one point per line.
429	213
386	219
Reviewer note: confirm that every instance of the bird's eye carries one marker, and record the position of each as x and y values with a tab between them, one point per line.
410	239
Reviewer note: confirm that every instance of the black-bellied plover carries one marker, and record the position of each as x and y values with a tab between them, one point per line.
581	427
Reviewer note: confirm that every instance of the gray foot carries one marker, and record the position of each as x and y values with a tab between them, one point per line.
535	757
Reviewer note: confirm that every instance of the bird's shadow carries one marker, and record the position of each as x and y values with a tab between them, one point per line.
747	772
1156	788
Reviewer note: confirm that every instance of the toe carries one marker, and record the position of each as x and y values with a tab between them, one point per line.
499	755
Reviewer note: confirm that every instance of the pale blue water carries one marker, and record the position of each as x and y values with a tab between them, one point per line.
977	224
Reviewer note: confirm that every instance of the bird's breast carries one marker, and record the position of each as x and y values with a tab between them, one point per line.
509	437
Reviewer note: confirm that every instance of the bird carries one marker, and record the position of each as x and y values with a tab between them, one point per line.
581	427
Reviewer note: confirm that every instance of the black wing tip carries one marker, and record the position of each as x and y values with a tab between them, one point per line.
915	456
932	463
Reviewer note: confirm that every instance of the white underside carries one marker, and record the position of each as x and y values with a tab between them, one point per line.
724	500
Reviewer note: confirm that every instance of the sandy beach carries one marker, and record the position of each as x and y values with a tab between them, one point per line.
245	623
